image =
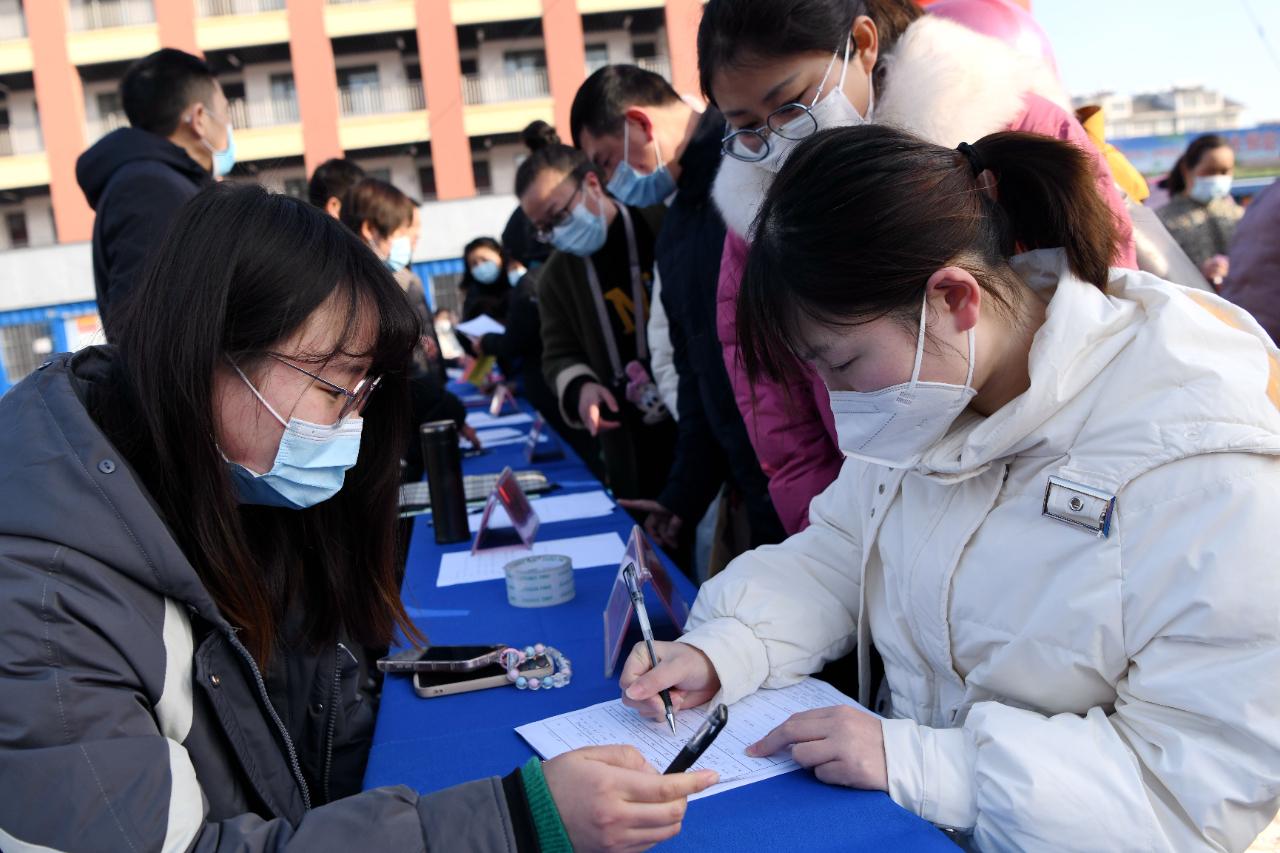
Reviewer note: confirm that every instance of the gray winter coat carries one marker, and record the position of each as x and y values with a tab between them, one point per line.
131	718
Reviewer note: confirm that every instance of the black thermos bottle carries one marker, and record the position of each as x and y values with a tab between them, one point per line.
443	461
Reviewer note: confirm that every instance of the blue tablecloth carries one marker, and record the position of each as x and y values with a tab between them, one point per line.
430	744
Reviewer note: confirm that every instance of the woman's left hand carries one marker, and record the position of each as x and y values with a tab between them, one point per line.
843	745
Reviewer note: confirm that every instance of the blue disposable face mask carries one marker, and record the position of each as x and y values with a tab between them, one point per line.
1207	188
401	253
514	276
225	160
583	234
630	187
310	465
486	272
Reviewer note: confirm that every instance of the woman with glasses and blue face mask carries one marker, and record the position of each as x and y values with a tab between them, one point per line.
1054	522
594	294
841	63
198	570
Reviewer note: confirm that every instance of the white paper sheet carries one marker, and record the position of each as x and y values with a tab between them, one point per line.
487	436
481	326
557	508
542	439
749	720
601	549
483	420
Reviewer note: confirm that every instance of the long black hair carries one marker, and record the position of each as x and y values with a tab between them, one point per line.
1176	181
859	218
240	270
734	32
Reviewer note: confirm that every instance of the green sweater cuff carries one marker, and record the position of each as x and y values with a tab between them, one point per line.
552	836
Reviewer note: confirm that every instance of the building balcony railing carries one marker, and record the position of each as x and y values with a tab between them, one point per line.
219	8
659	65
380	100
16	141
103	125
12	26
496	88
104	14
270	112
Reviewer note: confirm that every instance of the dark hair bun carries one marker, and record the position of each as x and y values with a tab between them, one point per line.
538	135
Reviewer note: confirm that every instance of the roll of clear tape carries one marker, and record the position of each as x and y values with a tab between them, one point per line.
541	580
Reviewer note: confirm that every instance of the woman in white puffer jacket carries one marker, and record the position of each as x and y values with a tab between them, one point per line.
1055	522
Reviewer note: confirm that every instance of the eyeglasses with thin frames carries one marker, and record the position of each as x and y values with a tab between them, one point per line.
356	399
544	231
751	144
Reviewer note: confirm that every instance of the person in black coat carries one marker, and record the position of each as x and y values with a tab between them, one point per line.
484	285
137	178
626	113
519	353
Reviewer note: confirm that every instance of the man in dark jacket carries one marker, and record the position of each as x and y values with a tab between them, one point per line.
624	111
136	178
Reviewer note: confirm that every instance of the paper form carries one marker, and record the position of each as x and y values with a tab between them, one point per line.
481	326
602	549
750	719
498	434
481	420
558	508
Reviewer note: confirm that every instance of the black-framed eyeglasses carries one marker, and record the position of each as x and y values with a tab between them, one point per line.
793	121
544	231
355	399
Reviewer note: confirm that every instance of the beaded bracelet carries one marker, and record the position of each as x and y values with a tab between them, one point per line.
562	667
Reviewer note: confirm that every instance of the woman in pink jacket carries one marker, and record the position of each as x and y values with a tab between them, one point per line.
781	70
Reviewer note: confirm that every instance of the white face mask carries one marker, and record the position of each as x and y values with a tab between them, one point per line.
835	110
1210	187
896	425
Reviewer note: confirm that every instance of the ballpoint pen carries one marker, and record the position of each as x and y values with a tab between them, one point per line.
637	599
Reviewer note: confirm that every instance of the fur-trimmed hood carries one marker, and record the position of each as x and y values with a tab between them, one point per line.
943	82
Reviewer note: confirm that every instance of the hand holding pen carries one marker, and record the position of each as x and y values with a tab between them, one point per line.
646	630
682	669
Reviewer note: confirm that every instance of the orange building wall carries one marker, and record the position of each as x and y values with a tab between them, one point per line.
566	56
61	101
176	22
682	43
315	79
450	147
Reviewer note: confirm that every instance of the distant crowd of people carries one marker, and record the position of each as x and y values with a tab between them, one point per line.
874	304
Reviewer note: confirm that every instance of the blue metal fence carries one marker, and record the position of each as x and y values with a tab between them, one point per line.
29	335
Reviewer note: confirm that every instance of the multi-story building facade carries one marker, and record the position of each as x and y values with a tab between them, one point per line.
428	94
1182	109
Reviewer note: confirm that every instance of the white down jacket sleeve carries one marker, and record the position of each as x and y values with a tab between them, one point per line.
1189	756
781	612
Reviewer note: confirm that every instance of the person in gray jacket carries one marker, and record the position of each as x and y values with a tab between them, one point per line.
197	567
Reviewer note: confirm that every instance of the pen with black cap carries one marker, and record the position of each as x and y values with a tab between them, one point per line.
637	599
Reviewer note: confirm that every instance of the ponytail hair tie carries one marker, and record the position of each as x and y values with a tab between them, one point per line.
975	159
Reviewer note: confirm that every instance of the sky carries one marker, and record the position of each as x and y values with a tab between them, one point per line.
1132	46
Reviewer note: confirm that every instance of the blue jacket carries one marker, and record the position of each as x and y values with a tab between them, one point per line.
136	181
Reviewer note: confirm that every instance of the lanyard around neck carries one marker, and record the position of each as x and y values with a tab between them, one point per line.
637	295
